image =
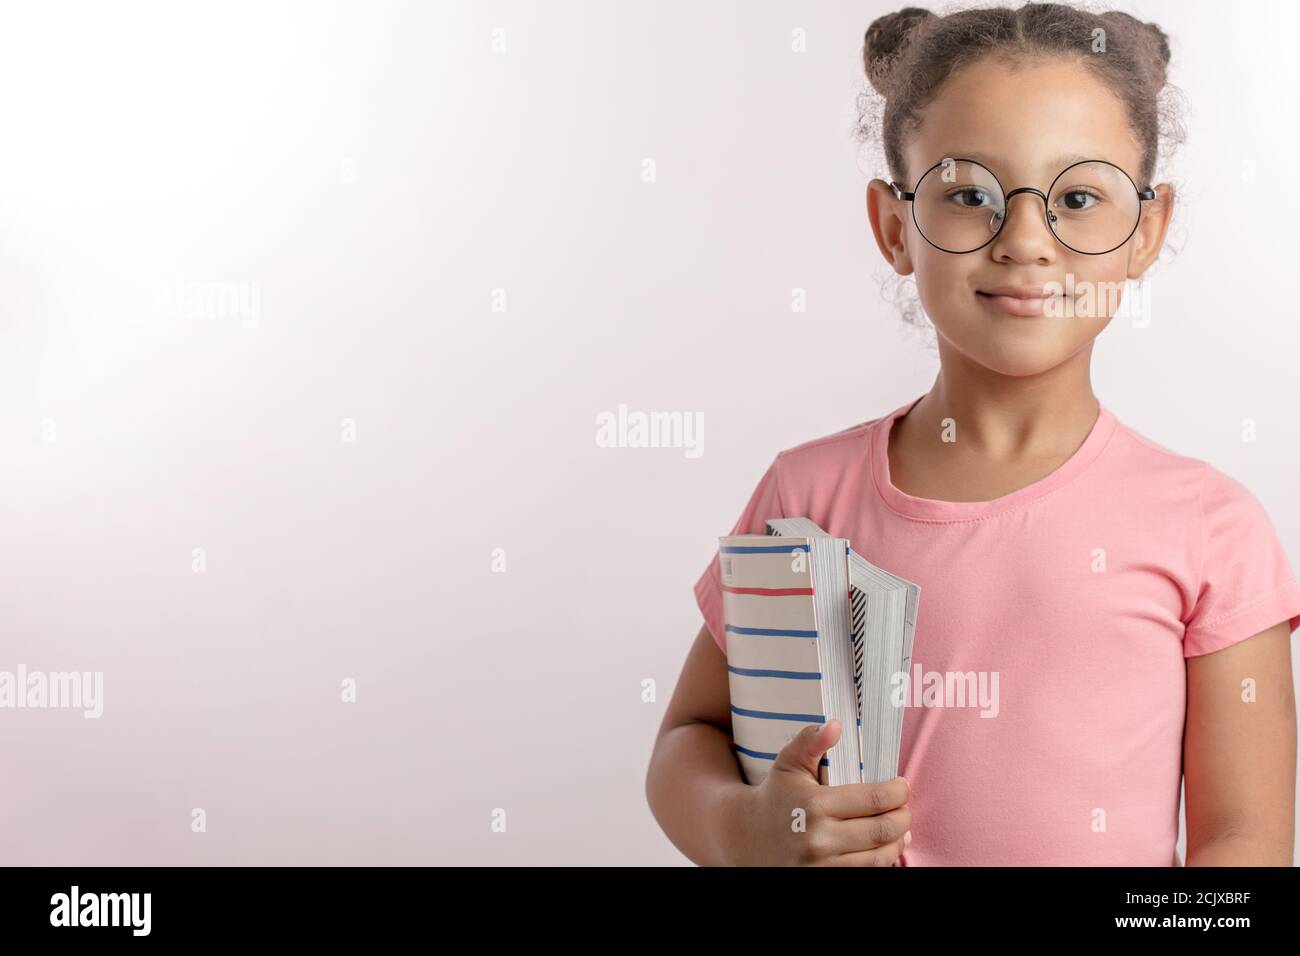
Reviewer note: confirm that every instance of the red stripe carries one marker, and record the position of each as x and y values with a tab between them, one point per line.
768	592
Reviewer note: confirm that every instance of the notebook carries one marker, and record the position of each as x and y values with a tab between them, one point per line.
814	632
785	602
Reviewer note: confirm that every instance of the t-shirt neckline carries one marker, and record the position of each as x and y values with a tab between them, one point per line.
934	509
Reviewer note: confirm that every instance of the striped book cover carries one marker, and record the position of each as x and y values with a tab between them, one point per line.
789	649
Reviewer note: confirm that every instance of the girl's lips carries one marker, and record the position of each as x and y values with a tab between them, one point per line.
1012	305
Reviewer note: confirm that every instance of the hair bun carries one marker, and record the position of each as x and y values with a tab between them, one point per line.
1155	52
1160	48
886	41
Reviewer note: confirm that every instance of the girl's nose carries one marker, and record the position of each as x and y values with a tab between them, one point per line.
1025	234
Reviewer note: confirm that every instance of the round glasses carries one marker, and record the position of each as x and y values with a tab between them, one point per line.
1092	207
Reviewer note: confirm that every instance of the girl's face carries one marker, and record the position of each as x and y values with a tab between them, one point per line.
1026	125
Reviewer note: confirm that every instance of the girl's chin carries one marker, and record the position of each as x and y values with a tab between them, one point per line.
1013	354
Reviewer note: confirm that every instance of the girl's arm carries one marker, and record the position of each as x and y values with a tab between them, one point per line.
694	776
1239	753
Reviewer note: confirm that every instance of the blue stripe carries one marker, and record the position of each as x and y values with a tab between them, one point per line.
765	549
762	756
768	632
775	715
764	672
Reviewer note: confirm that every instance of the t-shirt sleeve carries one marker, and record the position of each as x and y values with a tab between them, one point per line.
1246	583
764	503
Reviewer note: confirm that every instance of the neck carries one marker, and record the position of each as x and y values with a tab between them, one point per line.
1007	417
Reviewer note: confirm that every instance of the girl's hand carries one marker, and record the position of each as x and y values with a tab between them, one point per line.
856	824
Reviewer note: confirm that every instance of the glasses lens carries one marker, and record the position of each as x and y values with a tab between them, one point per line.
1096	207
958	205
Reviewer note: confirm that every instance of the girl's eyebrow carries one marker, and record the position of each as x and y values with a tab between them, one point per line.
1057	164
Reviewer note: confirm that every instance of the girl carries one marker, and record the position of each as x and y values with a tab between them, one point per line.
1134	605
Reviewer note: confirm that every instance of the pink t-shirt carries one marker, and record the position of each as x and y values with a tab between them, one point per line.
1064	611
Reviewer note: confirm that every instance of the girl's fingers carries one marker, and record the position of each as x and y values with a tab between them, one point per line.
851	800
805	750
871	833
876	857
882	857
902	844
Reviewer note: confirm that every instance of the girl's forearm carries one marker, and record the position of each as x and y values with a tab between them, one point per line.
694	787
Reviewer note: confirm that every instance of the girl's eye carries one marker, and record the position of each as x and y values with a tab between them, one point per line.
970	198
1078	200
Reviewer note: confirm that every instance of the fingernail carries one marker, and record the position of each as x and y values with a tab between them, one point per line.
907	838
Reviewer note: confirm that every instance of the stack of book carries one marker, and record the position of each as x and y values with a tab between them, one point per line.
815	632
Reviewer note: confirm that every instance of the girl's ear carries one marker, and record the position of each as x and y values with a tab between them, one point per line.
889	216
1150	235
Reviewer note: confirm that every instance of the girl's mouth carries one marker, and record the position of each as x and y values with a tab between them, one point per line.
1026	306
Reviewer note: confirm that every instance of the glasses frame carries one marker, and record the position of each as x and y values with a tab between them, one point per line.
1048	216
